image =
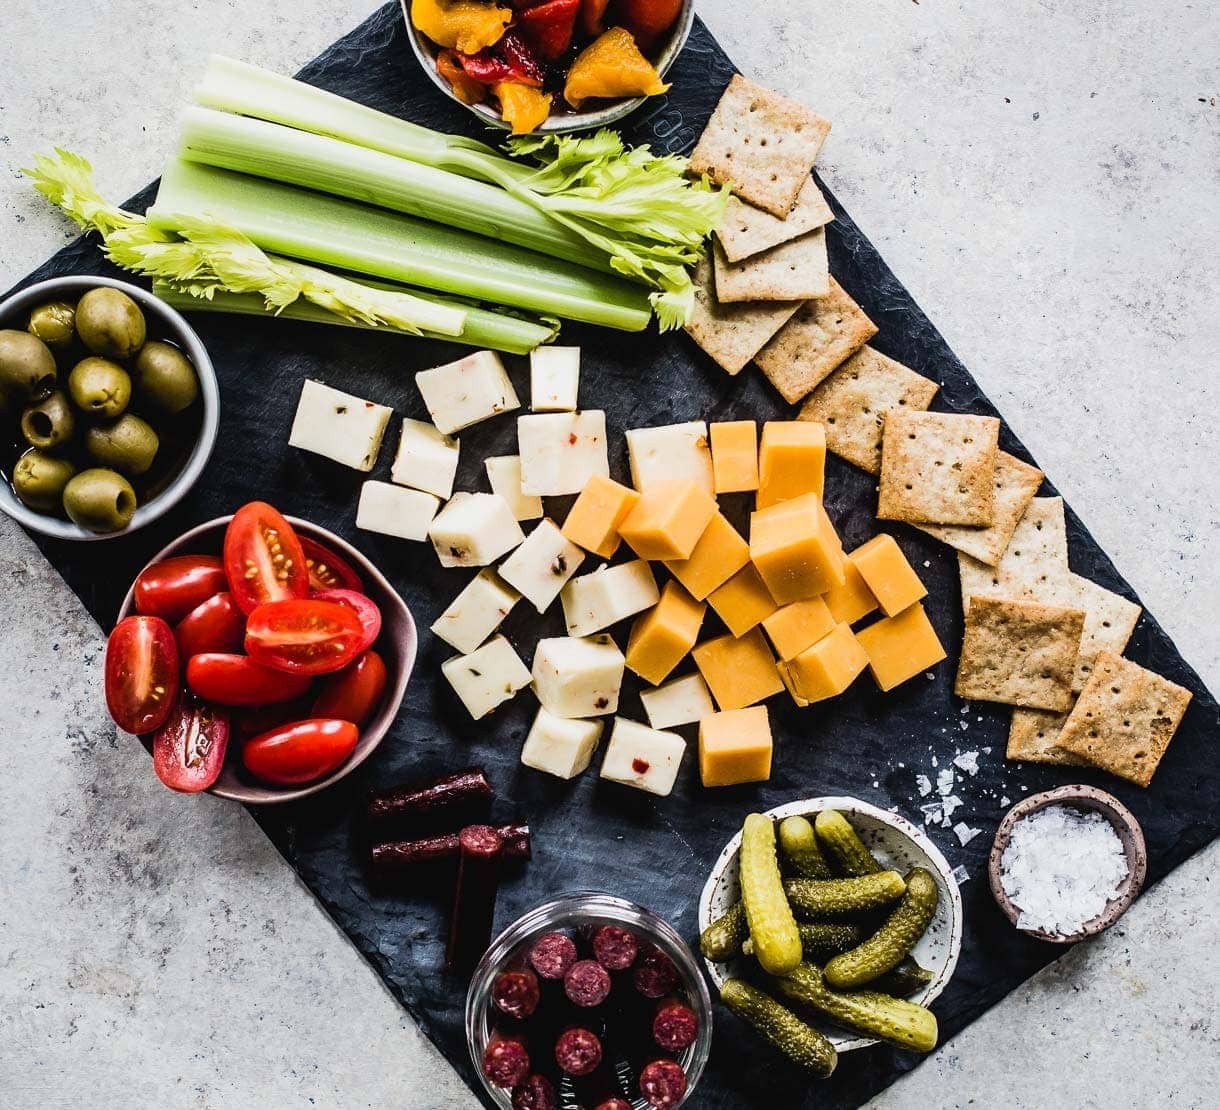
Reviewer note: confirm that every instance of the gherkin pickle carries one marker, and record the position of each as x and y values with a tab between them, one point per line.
835	897
801	1043
48	423
777	943
799	854
843	845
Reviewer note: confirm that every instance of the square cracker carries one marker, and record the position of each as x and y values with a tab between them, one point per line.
797	270
1016	482
852	403
1019	652
1109	620
938	467
1124	718
762	143
747	230
1036	555
1033	738
815	342
732	334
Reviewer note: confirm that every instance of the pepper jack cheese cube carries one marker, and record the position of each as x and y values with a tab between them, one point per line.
426	459
739	670
594	519
681	701
888	575
541	566
798	625
791	461
735	747
734	455
561	451
719	554
605	597
795	549
671	452
743	601
563	748
663	636
487	677
394	511
338	426
578	677
476	612
554	378
504	474
465	392
643	757
829	667
668	520
474	529
899	648
852	600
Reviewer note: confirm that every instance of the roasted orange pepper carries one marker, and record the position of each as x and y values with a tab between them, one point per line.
523	107
464	25
467	90
611	66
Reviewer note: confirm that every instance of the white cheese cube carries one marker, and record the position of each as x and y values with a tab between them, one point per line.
541	566
338	426
486	677
426	459
671	453
560	747
643	757
476	612
394	511
474	529
578	678
681	701
462	393
561	451
504	474
554	378
611	594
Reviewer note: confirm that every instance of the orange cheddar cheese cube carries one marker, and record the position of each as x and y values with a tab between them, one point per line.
735	747
899	648
789	684
743	601
719	554
889	576
738	670
734	456
661	638
791	461
795	548
852	600
668	520
829	667
797	626
594	518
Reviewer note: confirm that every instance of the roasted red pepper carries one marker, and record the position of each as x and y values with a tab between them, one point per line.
509	60
548	27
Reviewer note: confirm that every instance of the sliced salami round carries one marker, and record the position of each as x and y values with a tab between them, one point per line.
516	993
674	1026
480	840
663	1084
506	1061
615	947
613	1104
655	975
578	1051
552	955
587	983
536	1093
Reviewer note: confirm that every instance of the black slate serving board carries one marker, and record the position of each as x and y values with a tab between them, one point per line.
589	834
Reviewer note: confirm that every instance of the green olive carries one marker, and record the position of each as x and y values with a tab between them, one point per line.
39	480
99	387
129	445
110	323
49	423
27	367
54	324
100	500
164	377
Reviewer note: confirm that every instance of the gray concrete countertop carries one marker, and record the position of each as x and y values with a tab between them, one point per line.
1044	178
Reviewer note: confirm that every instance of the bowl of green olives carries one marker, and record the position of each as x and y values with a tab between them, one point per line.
108	407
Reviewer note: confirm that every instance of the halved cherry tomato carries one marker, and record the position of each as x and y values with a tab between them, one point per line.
263	557
327	570
355	692
173	587
366	609
238	680
304	636
548	27
189	749
300	752
216	625
254	720
141	673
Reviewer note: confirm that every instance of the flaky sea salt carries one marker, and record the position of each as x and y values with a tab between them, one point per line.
965	833
968	762
924	785
944	781
1061	867
960	875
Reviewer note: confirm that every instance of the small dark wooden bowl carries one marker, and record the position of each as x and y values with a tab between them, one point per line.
1088	799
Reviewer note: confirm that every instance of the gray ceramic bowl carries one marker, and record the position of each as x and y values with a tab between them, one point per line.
396	645
163	322
1089	799
608	113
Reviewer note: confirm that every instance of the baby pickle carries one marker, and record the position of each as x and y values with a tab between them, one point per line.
799	853
721	940
777	943
905	979
836	897
820	939
801	1043
844	847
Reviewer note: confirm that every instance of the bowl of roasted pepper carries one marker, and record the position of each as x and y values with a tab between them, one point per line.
549	66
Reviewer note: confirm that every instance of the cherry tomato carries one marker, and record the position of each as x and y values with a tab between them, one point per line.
216	625
254	720
366	609
263	557
304	636
300	752
647	20
327	570
355	692
173	587
189	749
238	680
141	673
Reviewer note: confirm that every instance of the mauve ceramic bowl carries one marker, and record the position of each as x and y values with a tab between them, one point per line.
1089	799
396	645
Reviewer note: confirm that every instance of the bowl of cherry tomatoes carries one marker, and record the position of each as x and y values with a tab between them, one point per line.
259	657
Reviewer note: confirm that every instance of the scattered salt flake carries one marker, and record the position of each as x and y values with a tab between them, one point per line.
1005	801
931	812
944	781
951	803
924	785
965	710
986	751
875	784
965	833
968	762
934	761
945	820
960	875
964	726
